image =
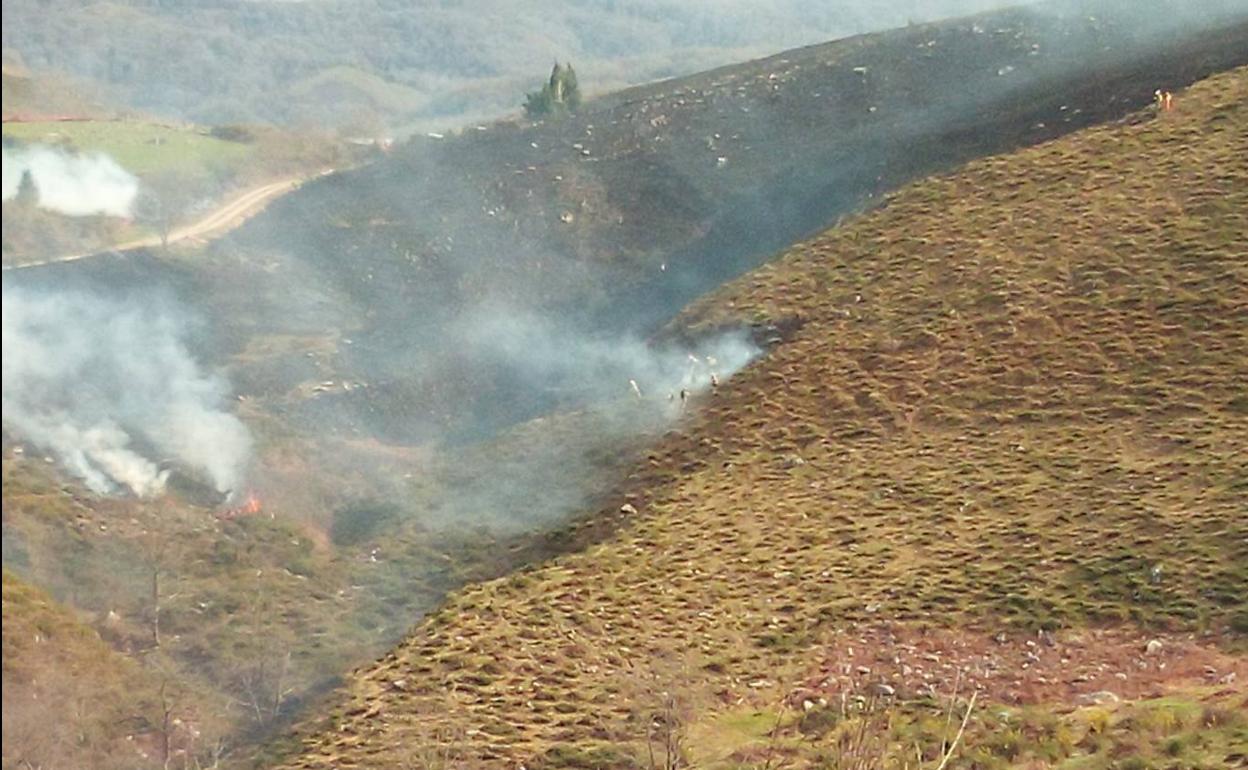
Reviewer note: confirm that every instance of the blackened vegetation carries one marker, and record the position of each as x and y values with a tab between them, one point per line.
608	222
613	219
357	521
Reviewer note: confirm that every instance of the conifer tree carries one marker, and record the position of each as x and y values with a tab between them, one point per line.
27	191
559	96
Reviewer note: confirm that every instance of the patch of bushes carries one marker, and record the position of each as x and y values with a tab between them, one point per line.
597	757
233	133
359	521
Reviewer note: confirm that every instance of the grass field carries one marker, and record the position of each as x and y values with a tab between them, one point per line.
1001	449
141	148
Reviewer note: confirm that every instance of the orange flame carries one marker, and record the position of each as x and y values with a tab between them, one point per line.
250	507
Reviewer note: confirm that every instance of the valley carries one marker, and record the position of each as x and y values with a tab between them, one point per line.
904	366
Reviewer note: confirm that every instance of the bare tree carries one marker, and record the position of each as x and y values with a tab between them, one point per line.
165	199
260	677
661	691
166	724
162	553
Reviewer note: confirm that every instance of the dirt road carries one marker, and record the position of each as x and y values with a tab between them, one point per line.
221	220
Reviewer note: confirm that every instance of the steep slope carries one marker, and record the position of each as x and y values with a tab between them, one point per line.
242	616
1007	403
611	221
332	310
121	714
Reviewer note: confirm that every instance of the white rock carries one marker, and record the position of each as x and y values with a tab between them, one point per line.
1099	698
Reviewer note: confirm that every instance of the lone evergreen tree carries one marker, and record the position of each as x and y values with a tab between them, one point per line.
560	95
27	191
571	91
556	83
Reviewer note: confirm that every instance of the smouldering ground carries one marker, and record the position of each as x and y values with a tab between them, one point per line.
1012	403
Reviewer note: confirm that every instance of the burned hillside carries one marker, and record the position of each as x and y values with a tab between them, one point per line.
613	219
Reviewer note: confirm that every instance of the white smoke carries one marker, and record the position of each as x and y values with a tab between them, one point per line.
591	367
87	378
75	184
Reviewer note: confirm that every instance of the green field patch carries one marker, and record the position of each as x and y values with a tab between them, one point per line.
141	148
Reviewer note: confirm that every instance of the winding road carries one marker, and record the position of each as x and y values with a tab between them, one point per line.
221	220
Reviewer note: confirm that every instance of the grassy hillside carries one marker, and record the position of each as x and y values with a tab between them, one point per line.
26	94
250	614
203	166
258	614
997	444
240	154
396	461
70	700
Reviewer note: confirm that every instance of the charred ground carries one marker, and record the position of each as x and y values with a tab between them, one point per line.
612	220
616	218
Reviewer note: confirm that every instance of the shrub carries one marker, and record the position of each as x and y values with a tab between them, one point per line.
1239	621
360	520
233	133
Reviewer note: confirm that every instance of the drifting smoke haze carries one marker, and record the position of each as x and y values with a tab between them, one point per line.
544	354
102	383
421	252
591	394
441	366
74	184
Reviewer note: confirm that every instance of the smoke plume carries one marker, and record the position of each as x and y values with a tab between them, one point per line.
103	384
544	354
70	183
